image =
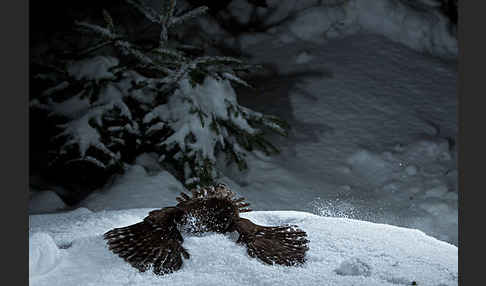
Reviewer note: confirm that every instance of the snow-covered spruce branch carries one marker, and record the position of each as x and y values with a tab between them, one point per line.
272	122
197	69
79	136
101	129
102	32
170	53
236	79
205	120
95	125
126	48
166	19
188	16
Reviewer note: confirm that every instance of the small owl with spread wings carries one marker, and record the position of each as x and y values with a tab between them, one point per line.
156	242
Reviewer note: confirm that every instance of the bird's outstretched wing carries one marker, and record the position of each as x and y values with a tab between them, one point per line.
153	243
284	245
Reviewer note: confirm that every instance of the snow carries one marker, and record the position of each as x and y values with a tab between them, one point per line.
80	130
418	25
72	107
213	98
136	189
44	255
421	29
95	68
303	58
68	248
56	88
150	162
353	267
317	23
44	201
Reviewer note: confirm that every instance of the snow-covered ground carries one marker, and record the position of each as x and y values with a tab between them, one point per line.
68	249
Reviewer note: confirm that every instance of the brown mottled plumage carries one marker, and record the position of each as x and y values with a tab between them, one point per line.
156	242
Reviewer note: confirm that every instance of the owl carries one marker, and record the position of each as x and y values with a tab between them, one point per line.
156	243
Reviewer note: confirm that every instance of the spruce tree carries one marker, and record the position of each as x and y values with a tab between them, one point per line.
117	99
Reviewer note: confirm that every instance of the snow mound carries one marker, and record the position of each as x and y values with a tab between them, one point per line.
44	254
317	23
354	267
342	252
45	201
138	187
418	25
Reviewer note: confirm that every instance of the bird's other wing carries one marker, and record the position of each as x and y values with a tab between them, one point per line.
284	245
153	243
